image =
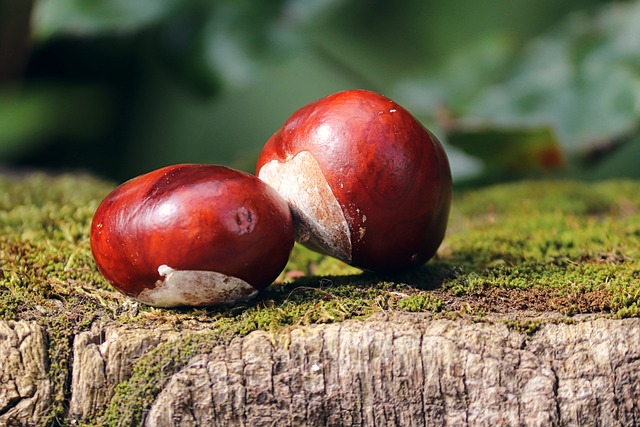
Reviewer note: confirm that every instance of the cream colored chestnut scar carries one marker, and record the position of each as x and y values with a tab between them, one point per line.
321	221
195	288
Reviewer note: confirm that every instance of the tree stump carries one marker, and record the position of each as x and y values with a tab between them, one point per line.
528	316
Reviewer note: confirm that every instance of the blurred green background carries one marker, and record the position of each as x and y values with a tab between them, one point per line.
513	88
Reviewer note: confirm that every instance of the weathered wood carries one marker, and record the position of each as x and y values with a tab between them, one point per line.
25	389
408	370
103	358
413	371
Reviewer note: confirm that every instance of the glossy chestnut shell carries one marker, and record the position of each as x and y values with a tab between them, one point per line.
219	234
367	183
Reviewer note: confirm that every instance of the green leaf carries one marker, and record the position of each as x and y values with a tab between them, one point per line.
461	78
510	150
241	37
90	17
583	79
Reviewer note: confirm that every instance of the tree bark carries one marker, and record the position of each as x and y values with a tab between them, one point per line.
408	373
25	389
103	358
404	370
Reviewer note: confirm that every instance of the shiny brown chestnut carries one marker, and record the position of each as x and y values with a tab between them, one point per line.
367	183
192	235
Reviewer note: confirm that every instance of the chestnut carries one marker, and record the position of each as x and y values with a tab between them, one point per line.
192	235
367	183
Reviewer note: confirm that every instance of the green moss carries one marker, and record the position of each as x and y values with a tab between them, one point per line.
135	395
567	237
525	326
535	247
420	303
307	262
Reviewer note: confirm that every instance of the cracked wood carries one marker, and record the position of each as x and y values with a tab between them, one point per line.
405	370
409	373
